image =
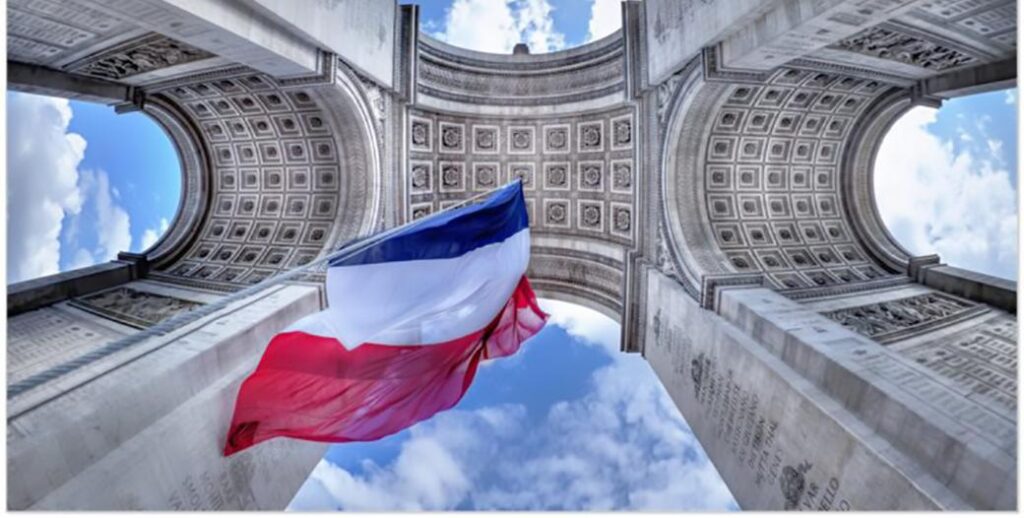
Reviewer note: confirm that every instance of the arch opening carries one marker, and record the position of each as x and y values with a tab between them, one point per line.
504	28
85	184
935	167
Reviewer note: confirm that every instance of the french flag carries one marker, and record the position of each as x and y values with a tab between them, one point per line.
409	318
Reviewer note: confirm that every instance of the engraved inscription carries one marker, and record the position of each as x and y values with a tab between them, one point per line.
741	425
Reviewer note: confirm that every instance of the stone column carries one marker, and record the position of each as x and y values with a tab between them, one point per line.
797	412
144	428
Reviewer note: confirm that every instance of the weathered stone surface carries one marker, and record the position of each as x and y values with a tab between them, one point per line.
943	426
778	441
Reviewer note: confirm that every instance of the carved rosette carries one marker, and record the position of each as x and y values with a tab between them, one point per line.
622	220
556	176
622	176
557	139
591	215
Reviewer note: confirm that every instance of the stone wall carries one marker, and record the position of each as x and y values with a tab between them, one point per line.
150	436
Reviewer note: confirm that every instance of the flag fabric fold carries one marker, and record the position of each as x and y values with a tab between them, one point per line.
409	319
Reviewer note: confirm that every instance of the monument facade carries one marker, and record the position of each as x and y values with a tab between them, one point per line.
703	176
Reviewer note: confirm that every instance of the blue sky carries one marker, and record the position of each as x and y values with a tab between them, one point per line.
496	26
569	422
143	170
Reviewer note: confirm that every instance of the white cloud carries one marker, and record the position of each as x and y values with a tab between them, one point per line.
101	229
958	203
585	324
1011	96
48	194
623	445
103	215
605	18
497	25
42	182
81	259
151	235
424	476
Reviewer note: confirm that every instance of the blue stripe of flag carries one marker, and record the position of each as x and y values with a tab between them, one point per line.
452	233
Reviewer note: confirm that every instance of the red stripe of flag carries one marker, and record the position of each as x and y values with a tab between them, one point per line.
310	387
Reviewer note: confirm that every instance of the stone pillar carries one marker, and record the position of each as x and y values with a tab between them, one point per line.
143	428
797	412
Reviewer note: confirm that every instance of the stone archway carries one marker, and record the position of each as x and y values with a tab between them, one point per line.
700	176
288	173
858	180
753	179
559	122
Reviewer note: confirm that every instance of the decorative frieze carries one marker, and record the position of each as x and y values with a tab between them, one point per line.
134	307
40	339
898	319
887	43
471	78
47	31
145	54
